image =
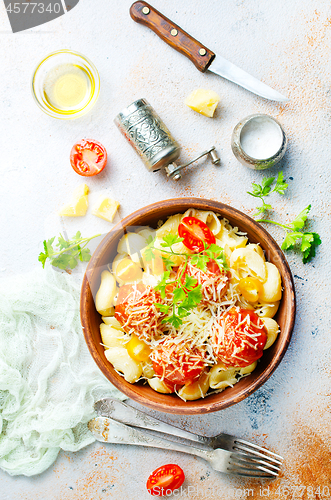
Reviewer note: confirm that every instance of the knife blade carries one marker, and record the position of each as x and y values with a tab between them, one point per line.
203	58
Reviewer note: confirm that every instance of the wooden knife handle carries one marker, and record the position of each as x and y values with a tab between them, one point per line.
143	13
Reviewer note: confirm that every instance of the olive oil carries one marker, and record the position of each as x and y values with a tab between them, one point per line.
65	84
67	87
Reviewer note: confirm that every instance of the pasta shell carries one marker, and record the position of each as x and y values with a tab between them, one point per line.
272	288
123	363
272	328
196	390
246	260
104	299
159	386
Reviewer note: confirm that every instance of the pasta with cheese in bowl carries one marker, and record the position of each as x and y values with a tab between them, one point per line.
187	306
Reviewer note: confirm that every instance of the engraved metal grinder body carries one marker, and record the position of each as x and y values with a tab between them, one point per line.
152	140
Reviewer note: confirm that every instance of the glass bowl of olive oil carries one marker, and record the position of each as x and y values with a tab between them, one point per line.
65	84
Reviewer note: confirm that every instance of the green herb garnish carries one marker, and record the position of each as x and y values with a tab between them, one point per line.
186	293
66	253
309	241
264	189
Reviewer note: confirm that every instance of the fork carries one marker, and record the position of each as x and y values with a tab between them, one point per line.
108	430
109	407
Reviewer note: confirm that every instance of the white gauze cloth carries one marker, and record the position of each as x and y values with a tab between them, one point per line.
48	379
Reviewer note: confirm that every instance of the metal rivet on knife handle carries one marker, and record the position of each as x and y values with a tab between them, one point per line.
202	52
165	29
145	11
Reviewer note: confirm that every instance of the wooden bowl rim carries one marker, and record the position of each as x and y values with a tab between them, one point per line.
201	405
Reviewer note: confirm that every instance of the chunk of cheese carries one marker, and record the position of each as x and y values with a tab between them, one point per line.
203	101
105	208
79	203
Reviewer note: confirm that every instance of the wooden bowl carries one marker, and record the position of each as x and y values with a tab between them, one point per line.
142	393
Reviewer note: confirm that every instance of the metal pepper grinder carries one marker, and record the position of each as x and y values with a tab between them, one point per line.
149	136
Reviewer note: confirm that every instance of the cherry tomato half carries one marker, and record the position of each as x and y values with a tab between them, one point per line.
165	479
88	157
240	338
195	234
177	364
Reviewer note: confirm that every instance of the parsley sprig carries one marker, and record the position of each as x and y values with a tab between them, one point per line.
264	189
186	292
65	254
309	240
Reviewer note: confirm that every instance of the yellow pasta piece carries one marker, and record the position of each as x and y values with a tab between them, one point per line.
104	299
112	321
170	226
196	390
267	310
247	261
248	369
155	266
112	337
132	244
159	386
257	249
110	314
221	378
272	288
148	370
231	239
121	361
272	328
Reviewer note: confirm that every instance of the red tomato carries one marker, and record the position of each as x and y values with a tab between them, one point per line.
88	157
165	479
214	281
239	337
195	234
136	311
177	364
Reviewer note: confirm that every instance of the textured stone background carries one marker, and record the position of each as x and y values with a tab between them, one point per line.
286	45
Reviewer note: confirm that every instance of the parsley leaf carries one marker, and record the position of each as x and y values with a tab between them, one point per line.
281	185
179	295
186	291
161	286
199	260
162	307
265	188
170	239
309	240
66	253
291	239
300	220
308	246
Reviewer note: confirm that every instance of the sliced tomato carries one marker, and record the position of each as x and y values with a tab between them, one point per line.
239	337
136	311
214	281
165	479
88	157
177	364
195	233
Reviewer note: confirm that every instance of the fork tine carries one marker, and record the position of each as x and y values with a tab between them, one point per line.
250	462
258	450
246	467
253	451
236	472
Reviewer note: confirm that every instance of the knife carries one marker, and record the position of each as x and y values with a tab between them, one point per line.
203	58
